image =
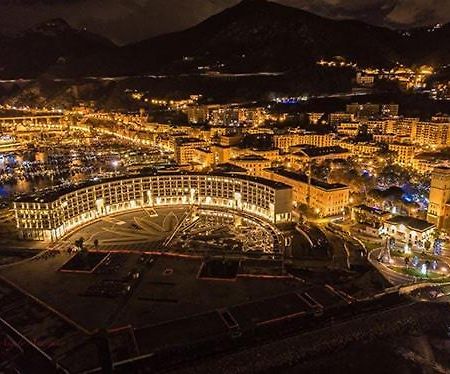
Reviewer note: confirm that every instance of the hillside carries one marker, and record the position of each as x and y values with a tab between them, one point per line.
255	35
54	42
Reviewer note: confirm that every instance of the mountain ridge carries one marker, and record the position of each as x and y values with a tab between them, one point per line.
252	36
39	48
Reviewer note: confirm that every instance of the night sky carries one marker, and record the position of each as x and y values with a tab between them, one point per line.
125	21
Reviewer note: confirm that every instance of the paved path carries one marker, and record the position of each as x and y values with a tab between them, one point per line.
393	277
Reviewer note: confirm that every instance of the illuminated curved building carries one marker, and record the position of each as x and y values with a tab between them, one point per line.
52	214
10	144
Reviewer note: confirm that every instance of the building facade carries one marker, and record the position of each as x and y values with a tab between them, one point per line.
408	230
439	201
324	198
185	147
404	153
431	133
50	216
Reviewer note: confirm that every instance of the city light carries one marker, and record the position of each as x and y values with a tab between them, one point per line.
210	199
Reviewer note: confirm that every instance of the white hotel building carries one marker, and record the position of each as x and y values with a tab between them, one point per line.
52	214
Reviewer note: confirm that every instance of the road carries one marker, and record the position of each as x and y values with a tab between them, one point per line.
396	279
346	251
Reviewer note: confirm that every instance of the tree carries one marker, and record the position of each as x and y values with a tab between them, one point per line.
437	247
80	243
436	234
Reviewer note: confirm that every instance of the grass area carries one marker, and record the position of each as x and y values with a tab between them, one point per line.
420	255
411	271
371	245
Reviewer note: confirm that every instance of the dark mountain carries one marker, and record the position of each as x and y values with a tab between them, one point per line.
253	36
258	35
428	45
54	42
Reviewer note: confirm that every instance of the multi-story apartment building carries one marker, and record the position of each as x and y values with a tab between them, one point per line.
391	138
184	149
360	148
49	216
401	126
285	141
324	198
252	116
404	153
350	129
315	117
232	116
203	158
229	140
363	110
254	164
431	133
389	110
221	154
376	126
198	114
338	117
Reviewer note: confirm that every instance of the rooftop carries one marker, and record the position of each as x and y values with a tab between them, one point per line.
312	151
409	145
303	178
229	168
250	158
411	222
52	194
187	140
372	210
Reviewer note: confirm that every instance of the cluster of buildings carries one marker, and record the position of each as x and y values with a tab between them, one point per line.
406	77
440	91
408	231
233	139
217	138
410	140
226	115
